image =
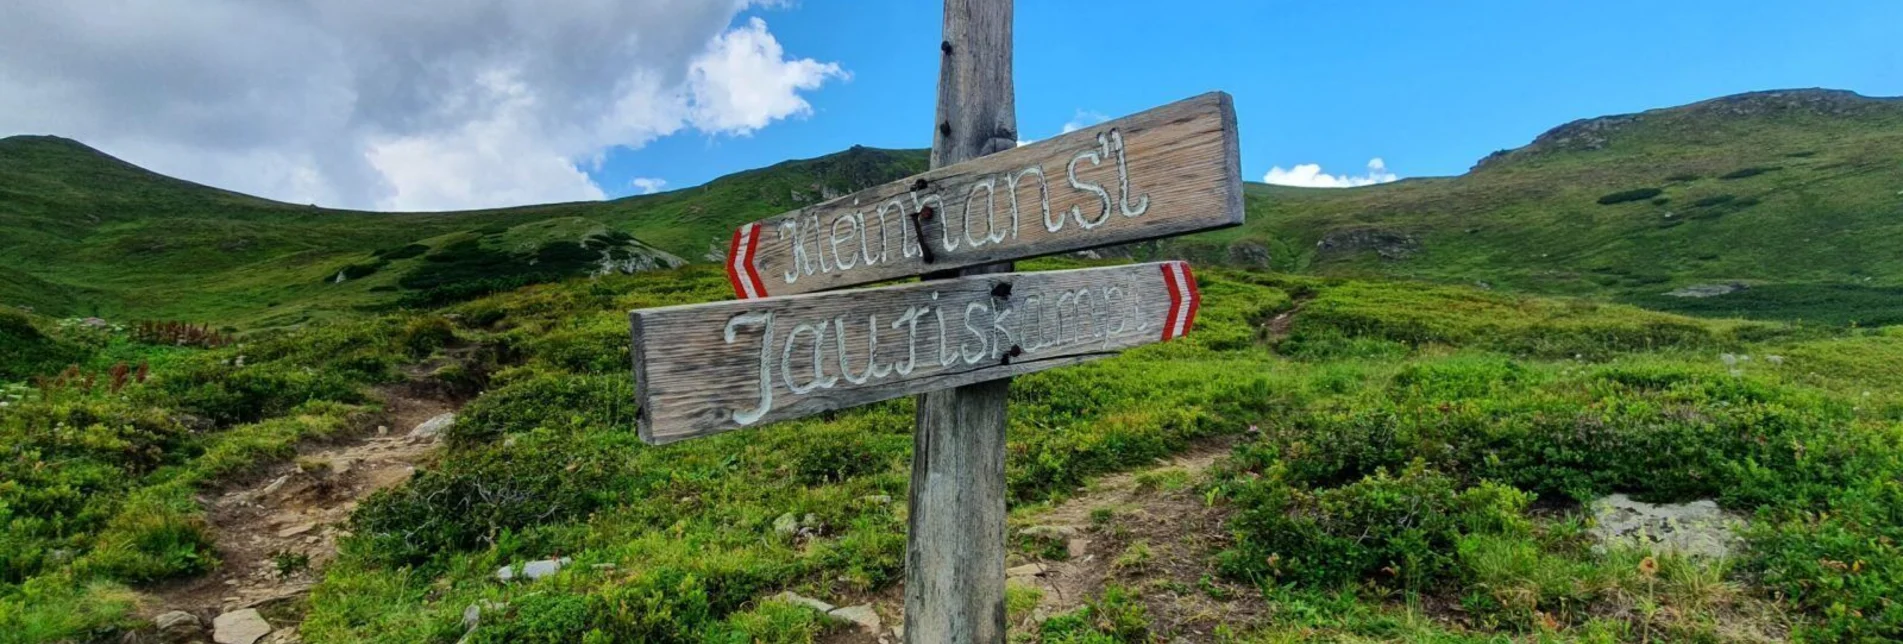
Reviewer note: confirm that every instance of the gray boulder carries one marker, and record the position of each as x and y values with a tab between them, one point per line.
239	627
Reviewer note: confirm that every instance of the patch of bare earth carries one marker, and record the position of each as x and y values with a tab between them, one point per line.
1073	554
275	532
1149	531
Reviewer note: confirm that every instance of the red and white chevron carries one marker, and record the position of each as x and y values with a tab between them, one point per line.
741	272
1184	299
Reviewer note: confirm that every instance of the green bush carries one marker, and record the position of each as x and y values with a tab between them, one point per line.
1387	529
524	400
425	334
1714	200
536	618
25	352
473	501
402	252
157	535
1118	616
1744	173
1623	196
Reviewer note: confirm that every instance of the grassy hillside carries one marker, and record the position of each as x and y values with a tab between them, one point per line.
1795	194
1406	432
1788	192
1396	460
82	233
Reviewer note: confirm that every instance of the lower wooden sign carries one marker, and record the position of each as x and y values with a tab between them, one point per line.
707	368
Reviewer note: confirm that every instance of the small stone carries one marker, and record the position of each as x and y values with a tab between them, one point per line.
383	430
295	530
430	428
239	627
1077	548
1696	529
863	615
341	466
472	615
797	599
1026	570
533	570
177	627
786	524
275	485
1053	532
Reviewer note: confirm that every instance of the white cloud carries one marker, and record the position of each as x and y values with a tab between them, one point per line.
421	104
647	185
1083	119
744	81
1310	175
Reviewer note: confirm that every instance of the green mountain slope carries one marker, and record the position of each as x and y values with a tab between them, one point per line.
1796	194
83	233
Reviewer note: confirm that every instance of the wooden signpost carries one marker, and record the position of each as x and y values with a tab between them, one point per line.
1164	172
707	368
785	349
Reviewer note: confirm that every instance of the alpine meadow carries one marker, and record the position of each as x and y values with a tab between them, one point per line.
1636	381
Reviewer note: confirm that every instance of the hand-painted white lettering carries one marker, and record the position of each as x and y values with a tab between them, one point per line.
872	349
1123	180
765	321
972	357
947	354
790	228
1043	199
847	259
990	186
1002	334
819	248
820	379
865	238
1087	315
1113	301
1066	317
1077	212
910	319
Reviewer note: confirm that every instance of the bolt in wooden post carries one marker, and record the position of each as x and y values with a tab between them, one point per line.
954	545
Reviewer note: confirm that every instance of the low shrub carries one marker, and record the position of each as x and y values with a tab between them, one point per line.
1623	196
1745	173
402	252
423	335
1388	529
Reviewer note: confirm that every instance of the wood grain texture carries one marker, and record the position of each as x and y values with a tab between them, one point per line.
954	540
1167	171
706	368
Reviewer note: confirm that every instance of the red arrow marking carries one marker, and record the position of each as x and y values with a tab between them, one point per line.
741	273
1185	298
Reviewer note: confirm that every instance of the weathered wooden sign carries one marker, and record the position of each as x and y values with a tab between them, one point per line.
708	368
1168	171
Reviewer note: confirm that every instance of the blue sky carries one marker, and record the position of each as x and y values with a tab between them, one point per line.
1427	87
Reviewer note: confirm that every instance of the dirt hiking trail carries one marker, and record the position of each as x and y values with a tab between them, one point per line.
1147	530
276	532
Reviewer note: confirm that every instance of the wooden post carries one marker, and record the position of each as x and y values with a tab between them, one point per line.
954	543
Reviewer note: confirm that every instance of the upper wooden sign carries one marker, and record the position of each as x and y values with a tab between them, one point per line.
706	368
1168	171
